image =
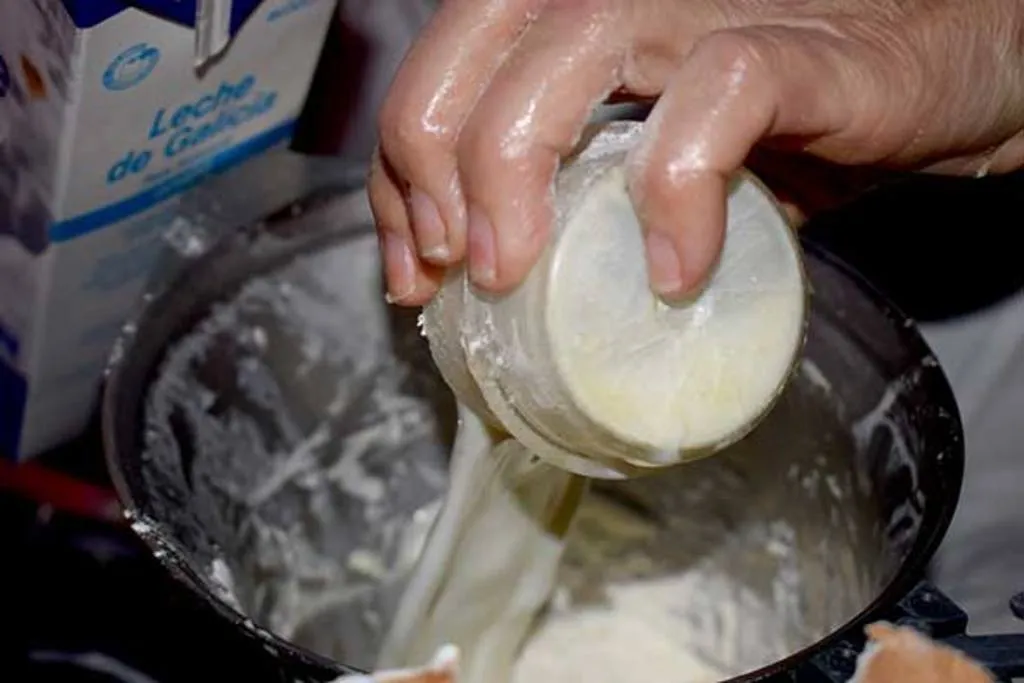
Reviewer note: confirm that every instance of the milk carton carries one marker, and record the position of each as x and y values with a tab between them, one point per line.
109	111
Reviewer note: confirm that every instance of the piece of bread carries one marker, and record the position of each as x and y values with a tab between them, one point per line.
898	654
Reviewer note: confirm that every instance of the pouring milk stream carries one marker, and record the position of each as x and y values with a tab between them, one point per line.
583	372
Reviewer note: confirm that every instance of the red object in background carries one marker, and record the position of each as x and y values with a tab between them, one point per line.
59	491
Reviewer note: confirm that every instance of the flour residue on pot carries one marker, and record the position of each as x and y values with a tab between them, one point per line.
886	441
814	375
299	452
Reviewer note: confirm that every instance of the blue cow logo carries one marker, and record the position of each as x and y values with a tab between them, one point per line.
131	67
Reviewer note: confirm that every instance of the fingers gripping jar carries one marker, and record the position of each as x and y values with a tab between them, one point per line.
588	368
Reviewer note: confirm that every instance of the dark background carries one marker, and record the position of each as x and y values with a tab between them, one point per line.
939	247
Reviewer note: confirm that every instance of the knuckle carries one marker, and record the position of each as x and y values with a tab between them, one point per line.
897	94
654	183
404	140
494	144
732	53
389	121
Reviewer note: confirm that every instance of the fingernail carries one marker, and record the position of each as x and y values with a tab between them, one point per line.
483	261
431	235
663	264
400	266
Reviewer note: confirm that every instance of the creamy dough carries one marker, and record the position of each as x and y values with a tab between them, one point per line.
612	644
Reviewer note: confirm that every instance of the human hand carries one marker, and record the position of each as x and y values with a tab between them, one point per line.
495	92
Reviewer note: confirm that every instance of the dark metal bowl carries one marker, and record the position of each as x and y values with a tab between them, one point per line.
227	421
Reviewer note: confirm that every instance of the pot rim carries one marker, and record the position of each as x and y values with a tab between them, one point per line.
933	529
934	524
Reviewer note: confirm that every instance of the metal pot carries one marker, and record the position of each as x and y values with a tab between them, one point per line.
279	439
